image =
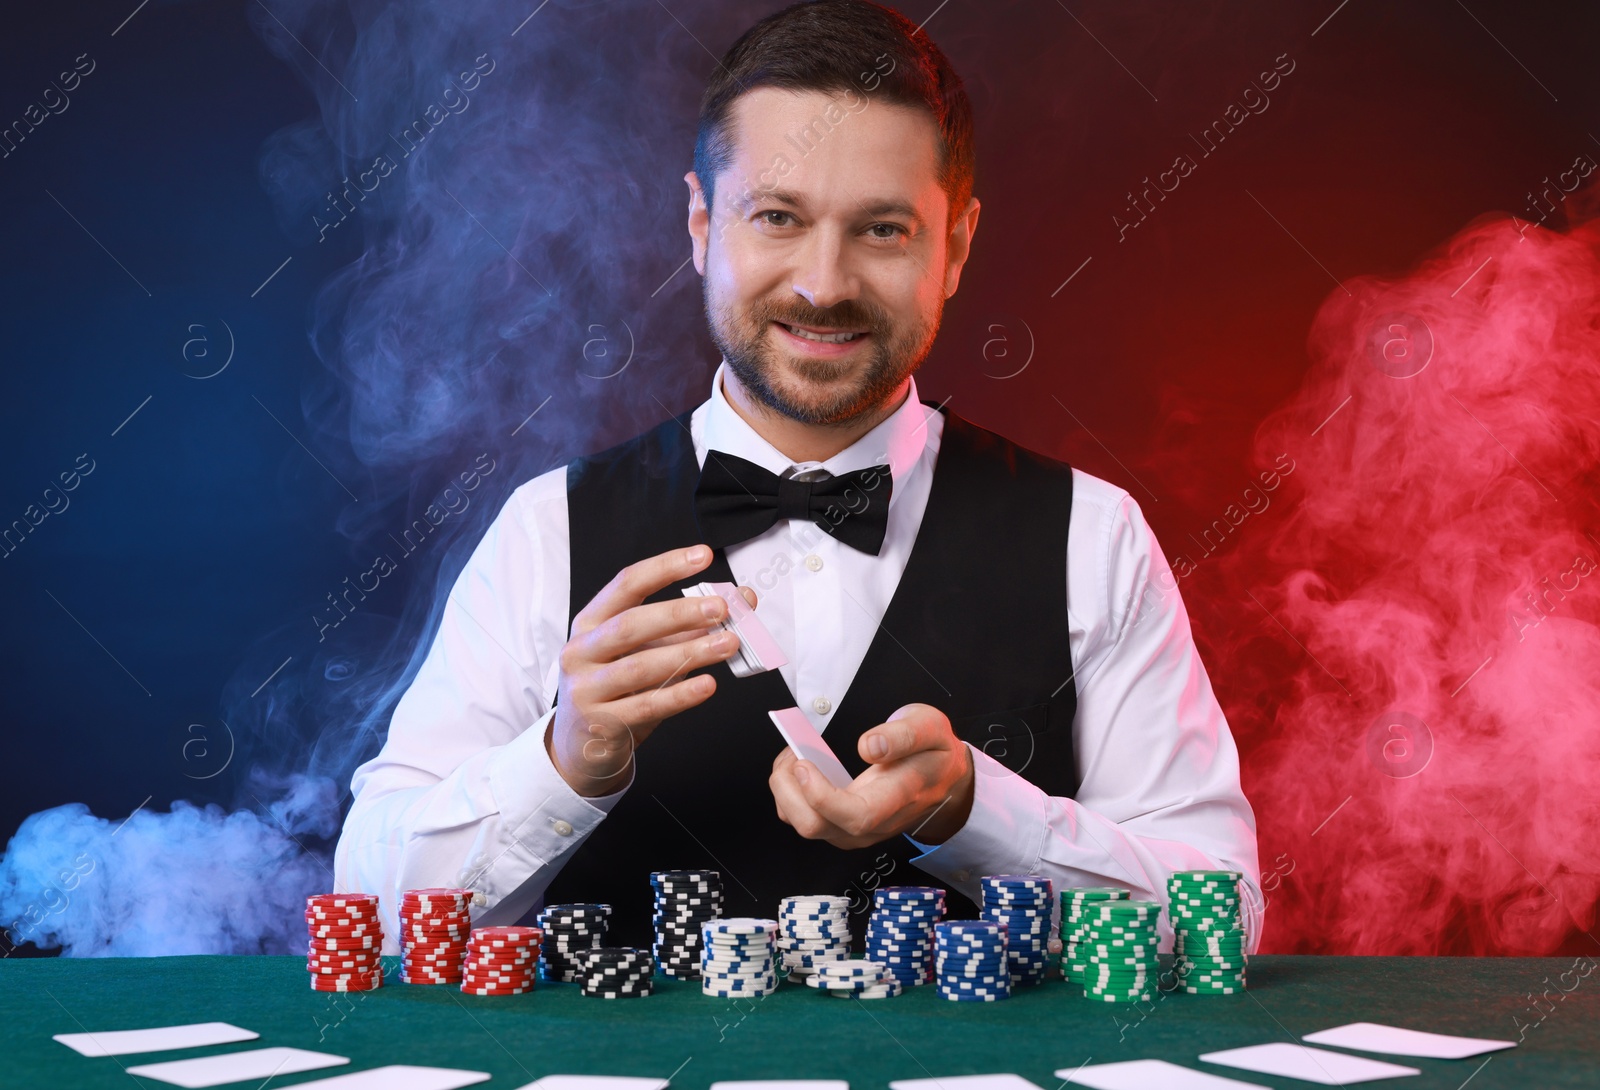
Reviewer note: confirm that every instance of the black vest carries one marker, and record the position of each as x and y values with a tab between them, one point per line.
977	627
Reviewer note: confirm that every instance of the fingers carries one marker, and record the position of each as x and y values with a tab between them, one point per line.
651	669
633	584
641	625
749	596
794	807
910	729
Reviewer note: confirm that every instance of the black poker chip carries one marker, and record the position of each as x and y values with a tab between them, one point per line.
684	900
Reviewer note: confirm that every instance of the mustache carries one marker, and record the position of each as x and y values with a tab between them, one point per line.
844	315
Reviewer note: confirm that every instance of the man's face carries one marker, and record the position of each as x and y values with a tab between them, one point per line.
829	219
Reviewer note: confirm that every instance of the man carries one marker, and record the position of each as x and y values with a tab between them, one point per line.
991	641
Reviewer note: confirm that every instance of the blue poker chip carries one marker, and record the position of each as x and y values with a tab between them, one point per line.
1015	881
998	992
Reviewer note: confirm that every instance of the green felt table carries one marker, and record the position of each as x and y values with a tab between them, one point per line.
798	1032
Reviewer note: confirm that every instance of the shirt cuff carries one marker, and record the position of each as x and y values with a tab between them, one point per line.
543	820
1004	833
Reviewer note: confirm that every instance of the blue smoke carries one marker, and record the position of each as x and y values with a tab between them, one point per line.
511	177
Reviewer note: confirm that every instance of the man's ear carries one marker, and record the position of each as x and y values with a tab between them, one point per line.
959	245
699	221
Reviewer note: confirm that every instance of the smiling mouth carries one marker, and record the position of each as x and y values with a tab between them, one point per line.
821	337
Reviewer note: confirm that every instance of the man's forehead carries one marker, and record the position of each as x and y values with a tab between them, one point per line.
789	146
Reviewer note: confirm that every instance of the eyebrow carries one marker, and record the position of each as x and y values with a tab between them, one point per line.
881	206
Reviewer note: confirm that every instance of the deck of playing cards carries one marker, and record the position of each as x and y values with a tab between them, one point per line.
758	651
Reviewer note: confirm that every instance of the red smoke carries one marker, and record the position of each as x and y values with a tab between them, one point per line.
1407	646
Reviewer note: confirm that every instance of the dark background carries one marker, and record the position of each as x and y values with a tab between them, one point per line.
218	516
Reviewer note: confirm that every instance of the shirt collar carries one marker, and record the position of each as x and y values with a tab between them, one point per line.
899	439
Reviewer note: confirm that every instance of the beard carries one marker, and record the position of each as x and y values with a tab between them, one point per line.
818	391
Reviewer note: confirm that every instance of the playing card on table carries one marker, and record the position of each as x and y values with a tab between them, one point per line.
596	1082
967	1082
399	1077
1310	1064
1146	1075
256	1064
1395	1041
782	1084
124	1042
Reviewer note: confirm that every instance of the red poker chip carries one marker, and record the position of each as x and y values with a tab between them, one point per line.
498	974
454	949
407	979
343	970
344	945
448	946
376	972
317	985
500	963
341	900
437	965
325	956
453	924
343	932
511	934
496	991
342	957
436	894
432	942
460	934
341	914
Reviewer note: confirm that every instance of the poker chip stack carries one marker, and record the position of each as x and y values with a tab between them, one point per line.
1209	937
434	925
971	960
501	960
346	942
737	957
568	931
900	933
1074	921
1118	951
812	930
1023	904
685	900
855	979
616	972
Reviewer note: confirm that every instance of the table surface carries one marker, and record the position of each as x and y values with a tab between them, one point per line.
800	1033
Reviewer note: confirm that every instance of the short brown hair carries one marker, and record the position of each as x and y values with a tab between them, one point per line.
839	45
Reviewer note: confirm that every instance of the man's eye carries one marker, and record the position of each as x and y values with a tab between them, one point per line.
894	229
774	212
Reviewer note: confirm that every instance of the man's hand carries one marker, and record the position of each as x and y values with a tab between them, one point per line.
919	781
618	669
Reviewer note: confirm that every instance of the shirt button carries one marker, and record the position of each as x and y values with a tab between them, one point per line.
961	875
822	705
562	828
814	562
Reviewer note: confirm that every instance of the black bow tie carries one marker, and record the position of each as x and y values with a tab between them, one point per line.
737	499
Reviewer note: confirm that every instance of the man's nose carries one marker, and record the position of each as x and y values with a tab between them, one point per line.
825	274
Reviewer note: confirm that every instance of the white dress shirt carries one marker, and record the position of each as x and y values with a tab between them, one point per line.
464	793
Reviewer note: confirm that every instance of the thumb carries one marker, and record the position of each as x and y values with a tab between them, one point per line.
893	739
749	596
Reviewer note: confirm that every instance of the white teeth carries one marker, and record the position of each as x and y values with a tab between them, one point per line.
825	338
